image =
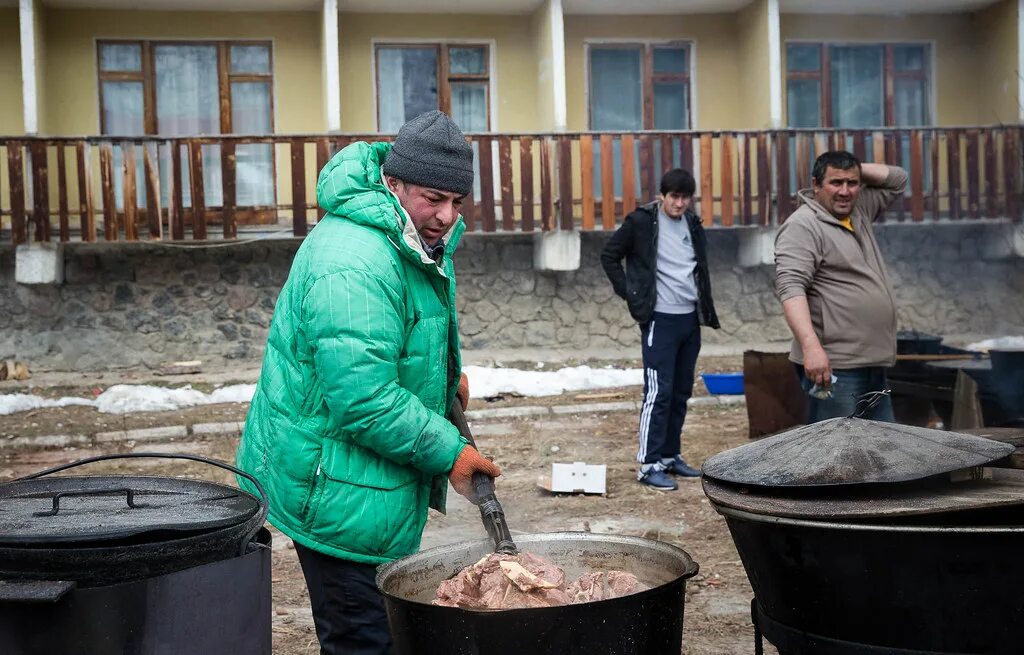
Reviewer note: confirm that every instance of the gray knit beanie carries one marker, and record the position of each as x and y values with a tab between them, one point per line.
431	151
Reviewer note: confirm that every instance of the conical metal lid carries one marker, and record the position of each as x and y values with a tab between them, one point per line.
845	451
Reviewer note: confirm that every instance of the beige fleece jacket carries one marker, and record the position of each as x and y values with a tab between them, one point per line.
843	276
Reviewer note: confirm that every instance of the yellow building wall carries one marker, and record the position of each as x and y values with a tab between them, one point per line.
995	29
540	26
11	120
956	62
72	106
716	86
511	37
753	50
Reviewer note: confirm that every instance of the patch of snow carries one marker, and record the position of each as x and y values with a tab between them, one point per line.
22	402
998	343
483	382
127	398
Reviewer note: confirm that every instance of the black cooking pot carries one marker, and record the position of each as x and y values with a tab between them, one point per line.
825	587
99	530
1008	380
648	623
912	342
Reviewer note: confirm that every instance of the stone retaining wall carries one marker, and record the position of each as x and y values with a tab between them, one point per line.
140	305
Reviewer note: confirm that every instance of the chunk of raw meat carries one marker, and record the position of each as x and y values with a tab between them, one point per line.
527	580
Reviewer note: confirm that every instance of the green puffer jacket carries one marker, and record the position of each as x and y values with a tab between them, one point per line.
346	430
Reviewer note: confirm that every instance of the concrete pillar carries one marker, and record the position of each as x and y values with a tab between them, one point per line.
548	28
759	55
331	76
775	63
756	246
39	263
556	251
31	33
558	63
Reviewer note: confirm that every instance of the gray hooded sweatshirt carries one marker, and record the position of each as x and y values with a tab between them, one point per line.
842	275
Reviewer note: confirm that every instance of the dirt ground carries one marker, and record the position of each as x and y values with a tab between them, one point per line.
717	617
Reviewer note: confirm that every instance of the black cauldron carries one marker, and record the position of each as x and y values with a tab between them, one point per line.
133	565
865	538
648	623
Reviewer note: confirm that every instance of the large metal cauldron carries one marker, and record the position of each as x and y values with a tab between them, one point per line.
133	565
650	622
864	538
833	587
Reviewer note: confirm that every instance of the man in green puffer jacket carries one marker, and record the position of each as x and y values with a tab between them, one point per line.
347	429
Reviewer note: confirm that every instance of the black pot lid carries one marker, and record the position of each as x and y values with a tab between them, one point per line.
845	451
852	503
96	509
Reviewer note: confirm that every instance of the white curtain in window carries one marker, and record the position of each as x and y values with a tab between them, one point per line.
858	94
469	106
616	103
123	116
615	89
188	104
406	85
254	162
390	105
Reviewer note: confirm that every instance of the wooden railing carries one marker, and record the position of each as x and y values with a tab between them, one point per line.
138	188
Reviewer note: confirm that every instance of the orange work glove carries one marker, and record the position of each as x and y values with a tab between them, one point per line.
463	391
467	463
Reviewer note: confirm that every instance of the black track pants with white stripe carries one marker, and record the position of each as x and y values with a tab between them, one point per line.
671	343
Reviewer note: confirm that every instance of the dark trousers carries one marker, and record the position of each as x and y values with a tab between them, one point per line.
850	385
348	609
671	343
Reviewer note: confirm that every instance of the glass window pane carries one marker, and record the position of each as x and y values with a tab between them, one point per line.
467	61
188	104
909	57
123	57
803	103
670	60
250	108
857	89
803	57
615	89
187	100
254	162
140	179
910	101
469	106
254	174
250	59
123	113
671	106
406	85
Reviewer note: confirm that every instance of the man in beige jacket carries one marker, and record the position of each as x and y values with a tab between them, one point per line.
833	285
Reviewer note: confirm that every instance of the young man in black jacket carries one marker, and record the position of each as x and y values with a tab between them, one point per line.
668	291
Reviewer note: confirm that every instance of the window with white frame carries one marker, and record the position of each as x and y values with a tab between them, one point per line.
192	89
639	86
857	85
414	78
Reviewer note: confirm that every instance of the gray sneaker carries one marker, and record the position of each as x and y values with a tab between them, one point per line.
654	475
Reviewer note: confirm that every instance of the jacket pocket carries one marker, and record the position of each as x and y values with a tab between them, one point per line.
366	504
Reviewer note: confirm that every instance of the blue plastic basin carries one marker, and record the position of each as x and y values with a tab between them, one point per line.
723	384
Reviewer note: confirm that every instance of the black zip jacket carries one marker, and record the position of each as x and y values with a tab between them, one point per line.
636	241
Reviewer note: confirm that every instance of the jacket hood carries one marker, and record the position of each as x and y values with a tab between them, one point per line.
351	187
806	196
